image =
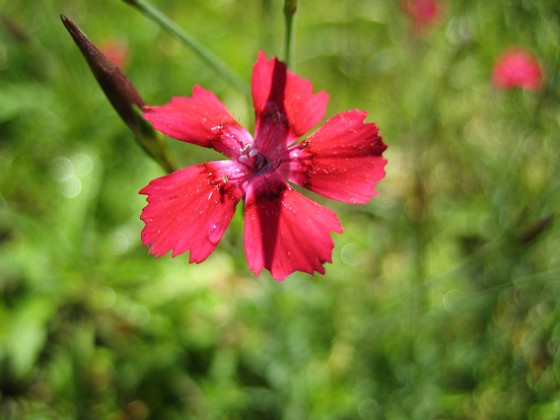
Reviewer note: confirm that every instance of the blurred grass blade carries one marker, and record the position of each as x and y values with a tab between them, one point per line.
536	229
14	29
290	8
123	96
204	53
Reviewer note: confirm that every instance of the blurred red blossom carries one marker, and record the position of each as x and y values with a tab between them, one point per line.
117	52
517	67
423	13
190	209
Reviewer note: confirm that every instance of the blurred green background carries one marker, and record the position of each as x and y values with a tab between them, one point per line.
442	299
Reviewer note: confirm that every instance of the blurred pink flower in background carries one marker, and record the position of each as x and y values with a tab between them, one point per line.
423	13
117	52
517	68
190	209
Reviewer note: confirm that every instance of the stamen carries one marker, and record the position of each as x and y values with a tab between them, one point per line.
254	152
276	164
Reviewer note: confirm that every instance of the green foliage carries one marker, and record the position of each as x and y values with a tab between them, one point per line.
441	301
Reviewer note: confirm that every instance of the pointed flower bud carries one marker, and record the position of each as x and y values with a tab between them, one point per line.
123	96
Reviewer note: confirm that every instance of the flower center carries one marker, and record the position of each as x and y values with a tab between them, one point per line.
252	158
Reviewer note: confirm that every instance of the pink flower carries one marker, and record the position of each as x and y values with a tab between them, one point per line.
190	209
424	13
517	68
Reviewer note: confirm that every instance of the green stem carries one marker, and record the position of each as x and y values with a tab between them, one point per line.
547	92
290	8
204	53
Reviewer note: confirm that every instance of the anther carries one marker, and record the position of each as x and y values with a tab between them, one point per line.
254	152
303	144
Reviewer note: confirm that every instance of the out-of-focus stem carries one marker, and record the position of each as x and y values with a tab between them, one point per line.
267	24
204	53
547	93
290	8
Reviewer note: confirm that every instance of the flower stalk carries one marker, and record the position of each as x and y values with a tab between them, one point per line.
290	8
123	96
190	41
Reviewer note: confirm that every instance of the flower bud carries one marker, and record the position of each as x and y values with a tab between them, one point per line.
290	7
123	96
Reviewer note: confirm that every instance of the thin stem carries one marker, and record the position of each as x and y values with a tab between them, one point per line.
204	53
290	8
547	94
267	24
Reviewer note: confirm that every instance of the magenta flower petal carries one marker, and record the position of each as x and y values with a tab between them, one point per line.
285	105
286	231
202	120
342	160
190	209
